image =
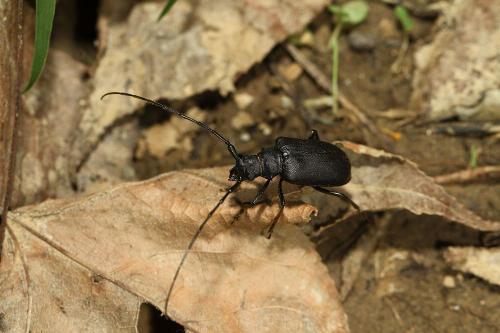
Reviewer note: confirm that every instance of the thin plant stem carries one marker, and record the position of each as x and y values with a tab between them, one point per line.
334	42
396	66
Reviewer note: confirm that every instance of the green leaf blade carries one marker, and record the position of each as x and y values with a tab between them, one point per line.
45	10
404	18
354	12
335	9
166	9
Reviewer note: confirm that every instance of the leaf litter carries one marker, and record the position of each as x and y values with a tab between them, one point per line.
383	181
107	253
111	251
457	74
53	251
203	46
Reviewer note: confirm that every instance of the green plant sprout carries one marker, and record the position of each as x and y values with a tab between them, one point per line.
474	154
407	24
349	14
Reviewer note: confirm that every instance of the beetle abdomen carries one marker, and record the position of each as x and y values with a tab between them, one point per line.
313	162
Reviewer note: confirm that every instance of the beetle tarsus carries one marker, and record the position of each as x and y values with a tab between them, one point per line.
338	195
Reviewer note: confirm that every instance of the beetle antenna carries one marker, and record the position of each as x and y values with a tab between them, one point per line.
191	243
230	146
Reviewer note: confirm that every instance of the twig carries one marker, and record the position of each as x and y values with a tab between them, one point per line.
324	83
12	114
394	311
396	66
469	175
466	129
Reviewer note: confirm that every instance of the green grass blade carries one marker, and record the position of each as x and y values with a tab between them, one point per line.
43	27
167	8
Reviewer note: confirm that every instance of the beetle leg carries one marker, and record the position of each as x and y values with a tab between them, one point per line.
260	193
282	205
314	135
338	195
247	204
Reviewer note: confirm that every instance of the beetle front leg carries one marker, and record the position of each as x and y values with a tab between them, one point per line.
282	206
260	192
247	204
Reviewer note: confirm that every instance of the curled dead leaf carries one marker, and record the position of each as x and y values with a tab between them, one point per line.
87	264
383	181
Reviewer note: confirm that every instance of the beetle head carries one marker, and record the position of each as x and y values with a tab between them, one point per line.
247	168
235	174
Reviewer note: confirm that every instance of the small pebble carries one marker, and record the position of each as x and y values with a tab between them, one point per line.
290	72
388	28
242	119
243	100
286	102
245	137
265	129
449	282
307	38
361	41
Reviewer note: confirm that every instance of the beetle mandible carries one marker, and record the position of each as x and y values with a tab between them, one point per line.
306	162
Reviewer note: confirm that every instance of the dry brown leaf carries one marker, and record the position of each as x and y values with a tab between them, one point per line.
458	74
87	264
110	163
482	262
383	181
203	45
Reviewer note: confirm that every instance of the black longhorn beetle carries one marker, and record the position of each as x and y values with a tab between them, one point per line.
306	162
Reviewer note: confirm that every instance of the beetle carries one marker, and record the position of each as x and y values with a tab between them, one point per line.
305	162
